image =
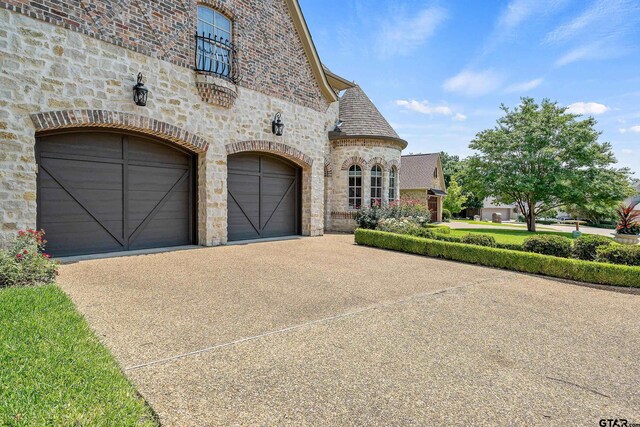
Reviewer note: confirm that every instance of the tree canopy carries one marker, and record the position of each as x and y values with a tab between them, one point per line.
455	200
540	157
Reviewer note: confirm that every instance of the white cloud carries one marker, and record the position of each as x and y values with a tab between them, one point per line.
634	129
407	32
524	86
626	151
591	108
474	83
424	107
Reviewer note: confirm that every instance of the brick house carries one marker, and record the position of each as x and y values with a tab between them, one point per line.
423	179
236	140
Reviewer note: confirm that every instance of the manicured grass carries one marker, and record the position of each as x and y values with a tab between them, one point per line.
492	224
505	235
54	371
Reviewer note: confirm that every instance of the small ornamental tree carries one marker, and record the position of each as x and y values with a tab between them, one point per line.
455	200
540	157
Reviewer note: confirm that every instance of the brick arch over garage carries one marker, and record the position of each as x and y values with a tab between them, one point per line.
277	148
75	119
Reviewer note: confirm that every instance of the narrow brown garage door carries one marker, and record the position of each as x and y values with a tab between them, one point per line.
264	197
104	192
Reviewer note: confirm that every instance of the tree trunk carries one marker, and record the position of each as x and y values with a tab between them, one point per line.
531	218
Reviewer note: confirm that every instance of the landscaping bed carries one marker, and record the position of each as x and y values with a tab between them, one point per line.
54	371
564	268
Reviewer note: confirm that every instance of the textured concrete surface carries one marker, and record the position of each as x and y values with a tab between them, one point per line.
321	332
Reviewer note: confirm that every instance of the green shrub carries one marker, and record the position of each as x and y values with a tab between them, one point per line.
439	228
510	246
619	254
446	215
573	269
24	262
548	245
369	217
585	247
480	240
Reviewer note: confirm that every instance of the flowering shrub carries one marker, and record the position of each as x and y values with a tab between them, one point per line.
369	217
25	262
406	225
628	220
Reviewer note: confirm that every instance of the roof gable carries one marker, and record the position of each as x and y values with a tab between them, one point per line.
310	50
417	172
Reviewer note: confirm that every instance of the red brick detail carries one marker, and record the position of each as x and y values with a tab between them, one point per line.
69	119
218	95
219	6
278	148
354	161
377	161
343	215
328	168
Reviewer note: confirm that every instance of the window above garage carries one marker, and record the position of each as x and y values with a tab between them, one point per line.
215	52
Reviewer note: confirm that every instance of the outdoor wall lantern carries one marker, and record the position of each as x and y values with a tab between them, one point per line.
276	125
140	92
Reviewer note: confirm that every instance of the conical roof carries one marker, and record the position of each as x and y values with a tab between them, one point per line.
361	118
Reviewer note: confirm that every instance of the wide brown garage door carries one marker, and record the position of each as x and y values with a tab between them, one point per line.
104	192
264	197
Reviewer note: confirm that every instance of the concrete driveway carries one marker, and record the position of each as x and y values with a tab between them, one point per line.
318	331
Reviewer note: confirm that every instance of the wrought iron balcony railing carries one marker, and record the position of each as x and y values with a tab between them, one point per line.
217	56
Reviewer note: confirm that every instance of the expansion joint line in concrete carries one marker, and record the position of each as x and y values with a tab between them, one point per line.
318	321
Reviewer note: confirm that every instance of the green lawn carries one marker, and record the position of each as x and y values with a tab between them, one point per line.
492	224
54	371
504	235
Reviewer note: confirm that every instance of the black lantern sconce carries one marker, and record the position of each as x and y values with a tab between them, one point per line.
276	125
140	92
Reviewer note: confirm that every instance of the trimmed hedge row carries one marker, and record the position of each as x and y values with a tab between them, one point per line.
564	268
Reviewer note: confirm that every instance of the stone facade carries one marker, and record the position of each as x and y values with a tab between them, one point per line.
81	72
365	152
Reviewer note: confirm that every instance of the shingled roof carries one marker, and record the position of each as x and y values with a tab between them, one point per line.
417	171
361	118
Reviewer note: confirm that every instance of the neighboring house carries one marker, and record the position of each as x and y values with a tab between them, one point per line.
237	139
490	206
422	179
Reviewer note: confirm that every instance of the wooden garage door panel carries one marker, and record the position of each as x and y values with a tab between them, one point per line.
144	150
108	145
263	197
97	202
65	239
238	225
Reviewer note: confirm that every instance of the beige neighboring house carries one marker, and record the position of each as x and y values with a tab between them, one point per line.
508	212
422	179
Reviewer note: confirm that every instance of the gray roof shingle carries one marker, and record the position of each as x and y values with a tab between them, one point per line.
360	117
416	171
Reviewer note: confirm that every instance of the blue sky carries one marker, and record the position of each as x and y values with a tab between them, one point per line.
439	70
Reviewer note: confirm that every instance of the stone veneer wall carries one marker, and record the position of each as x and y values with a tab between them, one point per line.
366	153
49	68
270	55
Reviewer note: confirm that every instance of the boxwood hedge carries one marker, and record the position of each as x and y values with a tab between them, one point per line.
564	268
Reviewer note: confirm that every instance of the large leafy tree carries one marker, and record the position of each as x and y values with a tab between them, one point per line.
540	157
453	166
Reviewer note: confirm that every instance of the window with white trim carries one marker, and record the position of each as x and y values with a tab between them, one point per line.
393	178
376	185
214	44
355	187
